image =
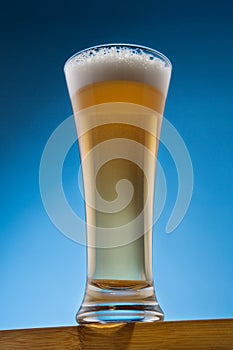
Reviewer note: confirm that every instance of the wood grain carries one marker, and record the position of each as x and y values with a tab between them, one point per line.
183	335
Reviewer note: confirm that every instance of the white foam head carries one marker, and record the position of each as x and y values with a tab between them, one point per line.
117	62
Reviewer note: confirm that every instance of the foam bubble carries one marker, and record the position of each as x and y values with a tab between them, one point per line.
117	62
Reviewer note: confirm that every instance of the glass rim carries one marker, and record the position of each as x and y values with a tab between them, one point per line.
154	52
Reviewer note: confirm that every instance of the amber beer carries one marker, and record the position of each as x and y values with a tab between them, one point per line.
118	95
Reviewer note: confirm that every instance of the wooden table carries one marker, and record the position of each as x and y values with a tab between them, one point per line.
188	335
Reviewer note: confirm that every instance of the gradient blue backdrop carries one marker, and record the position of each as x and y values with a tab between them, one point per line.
42	273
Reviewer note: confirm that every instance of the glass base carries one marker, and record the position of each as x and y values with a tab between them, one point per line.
119	301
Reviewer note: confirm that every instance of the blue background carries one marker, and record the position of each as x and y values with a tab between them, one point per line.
42	273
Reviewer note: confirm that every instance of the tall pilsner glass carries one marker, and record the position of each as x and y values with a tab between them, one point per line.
118	93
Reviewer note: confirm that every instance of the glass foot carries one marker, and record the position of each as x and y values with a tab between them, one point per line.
119	301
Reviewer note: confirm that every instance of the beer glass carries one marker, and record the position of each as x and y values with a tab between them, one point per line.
118	93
